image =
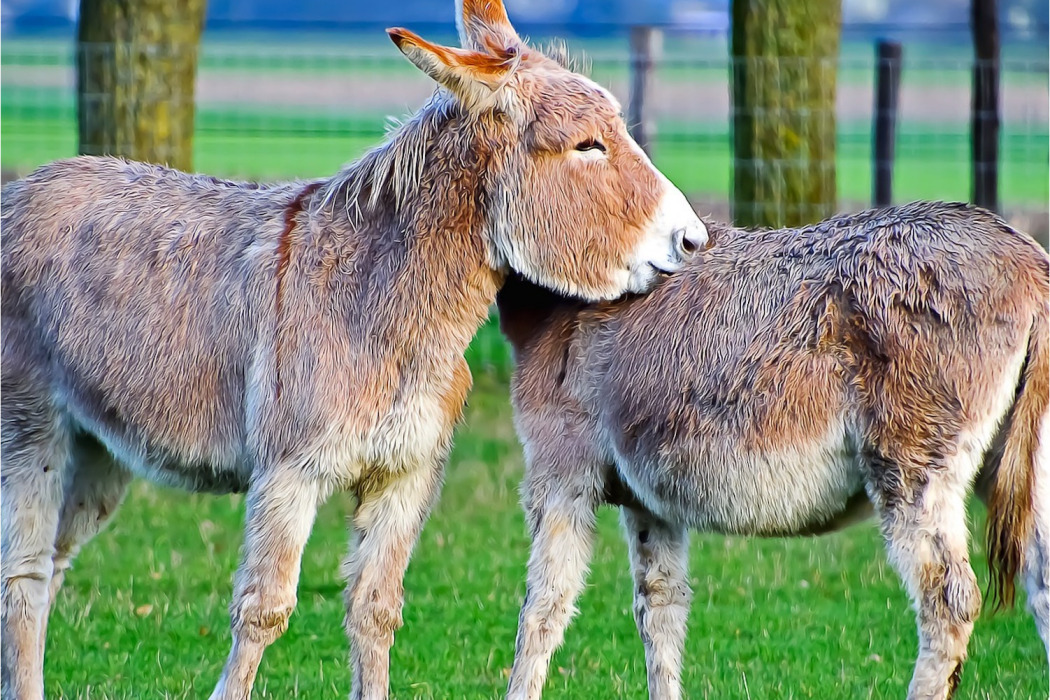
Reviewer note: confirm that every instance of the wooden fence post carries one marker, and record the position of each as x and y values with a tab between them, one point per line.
984	21
887	91
645	49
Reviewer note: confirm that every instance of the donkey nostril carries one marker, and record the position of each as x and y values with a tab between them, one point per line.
687	247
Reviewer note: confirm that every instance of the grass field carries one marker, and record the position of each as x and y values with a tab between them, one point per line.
143	613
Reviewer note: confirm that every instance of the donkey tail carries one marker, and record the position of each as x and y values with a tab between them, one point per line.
1011	508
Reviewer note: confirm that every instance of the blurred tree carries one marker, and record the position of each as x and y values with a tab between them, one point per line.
136	69
784	63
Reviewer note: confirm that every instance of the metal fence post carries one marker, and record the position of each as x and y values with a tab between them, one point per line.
984	21
887	91
645	49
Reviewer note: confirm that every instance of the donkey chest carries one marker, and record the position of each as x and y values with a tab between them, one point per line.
414	431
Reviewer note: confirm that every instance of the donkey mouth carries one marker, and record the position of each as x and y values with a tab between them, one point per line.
661	271
644	278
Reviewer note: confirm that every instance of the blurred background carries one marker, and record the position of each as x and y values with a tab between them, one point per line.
297	89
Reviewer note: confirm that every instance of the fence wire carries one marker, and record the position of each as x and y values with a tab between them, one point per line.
292	106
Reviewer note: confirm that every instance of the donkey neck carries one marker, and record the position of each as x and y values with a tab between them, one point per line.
526	310
410	218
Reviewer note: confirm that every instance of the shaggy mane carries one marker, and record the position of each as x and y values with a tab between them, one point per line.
395	165
558	51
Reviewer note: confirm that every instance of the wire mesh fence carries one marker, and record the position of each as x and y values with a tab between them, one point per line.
125	111
301	106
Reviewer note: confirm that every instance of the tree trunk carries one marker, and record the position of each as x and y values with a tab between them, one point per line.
784	62
136	69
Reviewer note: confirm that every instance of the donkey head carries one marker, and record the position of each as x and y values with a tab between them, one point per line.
572	203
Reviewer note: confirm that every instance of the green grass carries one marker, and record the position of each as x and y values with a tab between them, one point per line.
144	612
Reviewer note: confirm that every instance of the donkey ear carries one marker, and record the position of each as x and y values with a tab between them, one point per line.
471	76
483	26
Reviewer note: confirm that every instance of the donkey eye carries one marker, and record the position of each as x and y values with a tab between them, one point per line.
590	145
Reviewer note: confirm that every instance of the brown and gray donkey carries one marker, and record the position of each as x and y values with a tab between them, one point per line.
784	383
293	340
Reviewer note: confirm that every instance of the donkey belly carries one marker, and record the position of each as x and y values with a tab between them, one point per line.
164	454
723	487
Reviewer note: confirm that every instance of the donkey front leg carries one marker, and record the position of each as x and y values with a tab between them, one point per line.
34	467
560	512
386	526
659	563
280	513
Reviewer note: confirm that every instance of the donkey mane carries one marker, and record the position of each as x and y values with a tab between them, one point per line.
394	166
558	51
397	164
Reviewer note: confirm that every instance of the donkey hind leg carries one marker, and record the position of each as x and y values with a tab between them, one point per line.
34	465
561	518
1037	559
659	555
386	525
280	509
923	517
1037	578
96	486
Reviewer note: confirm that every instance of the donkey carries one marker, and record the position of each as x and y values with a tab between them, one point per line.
292	340
782	384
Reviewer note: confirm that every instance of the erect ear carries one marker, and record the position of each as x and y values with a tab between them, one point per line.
483	26
472	76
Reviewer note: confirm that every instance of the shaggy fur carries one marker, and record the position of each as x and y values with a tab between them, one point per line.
296	339
784	383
